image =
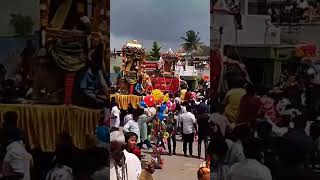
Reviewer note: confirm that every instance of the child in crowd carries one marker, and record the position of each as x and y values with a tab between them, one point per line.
131	144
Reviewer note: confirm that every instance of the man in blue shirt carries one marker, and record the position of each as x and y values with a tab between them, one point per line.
91	84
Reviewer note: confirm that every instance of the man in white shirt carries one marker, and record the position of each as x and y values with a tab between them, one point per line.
115	118
17	161
123	165
62	169
189	128
127	118
129	115
60	172
132	126
249	168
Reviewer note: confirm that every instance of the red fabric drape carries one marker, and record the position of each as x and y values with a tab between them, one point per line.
215	71
69	82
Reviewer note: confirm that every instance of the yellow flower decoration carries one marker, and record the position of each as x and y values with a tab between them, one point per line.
166	98
157	94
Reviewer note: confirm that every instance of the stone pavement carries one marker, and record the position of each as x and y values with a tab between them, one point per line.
177	166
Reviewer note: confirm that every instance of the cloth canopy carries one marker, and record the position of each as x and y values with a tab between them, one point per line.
124	100
43	123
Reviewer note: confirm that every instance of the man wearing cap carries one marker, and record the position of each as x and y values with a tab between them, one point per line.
123	165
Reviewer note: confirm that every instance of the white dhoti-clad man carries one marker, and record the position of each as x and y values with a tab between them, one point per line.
123	165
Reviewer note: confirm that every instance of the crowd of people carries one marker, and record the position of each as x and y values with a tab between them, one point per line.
266	134
253	132
138	129
19	162
294	12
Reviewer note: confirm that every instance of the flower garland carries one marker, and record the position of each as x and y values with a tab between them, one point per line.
129	50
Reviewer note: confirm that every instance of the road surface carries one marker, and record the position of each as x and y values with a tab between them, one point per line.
177	166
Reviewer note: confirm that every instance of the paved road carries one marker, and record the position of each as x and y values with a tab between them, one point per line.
177	166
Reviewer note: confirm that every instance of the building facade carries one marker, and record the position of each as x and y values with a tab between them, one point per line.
115	62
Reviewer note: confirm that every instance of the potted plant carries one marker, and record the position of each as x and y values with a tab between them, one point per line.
23	25
117	69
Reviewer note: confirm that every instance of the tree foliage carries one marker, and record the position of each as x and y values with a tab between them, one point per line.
192	43
154	54
117	69
205	51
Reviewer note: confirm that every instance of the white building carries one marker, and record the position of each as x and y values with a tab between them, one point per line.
186	71
256	28
256	44
115	61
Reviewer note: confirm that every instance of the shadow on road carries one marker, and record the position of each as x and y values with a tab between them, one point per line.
178	154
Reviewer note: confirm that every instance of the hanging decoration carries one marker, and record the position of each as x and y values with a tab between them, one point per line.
169	60
133	48
149	101
170	56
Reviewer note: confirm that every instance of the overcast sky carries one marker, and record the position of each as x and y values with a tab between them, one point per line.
158	20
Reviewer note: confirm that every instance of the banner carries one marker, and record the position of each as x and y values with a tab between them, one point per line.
150	65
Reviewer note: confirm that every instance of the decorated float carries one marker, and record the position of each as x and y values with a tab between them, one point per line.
138	89
167	79
147	84
140	77
73	32
134	82
133	55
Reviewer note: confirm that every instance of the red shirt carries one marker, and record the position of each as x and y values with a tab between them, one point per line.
188	96
249	109
137	152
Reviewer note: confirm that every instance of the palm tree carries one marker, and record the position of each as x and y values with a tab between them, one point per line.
192	43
